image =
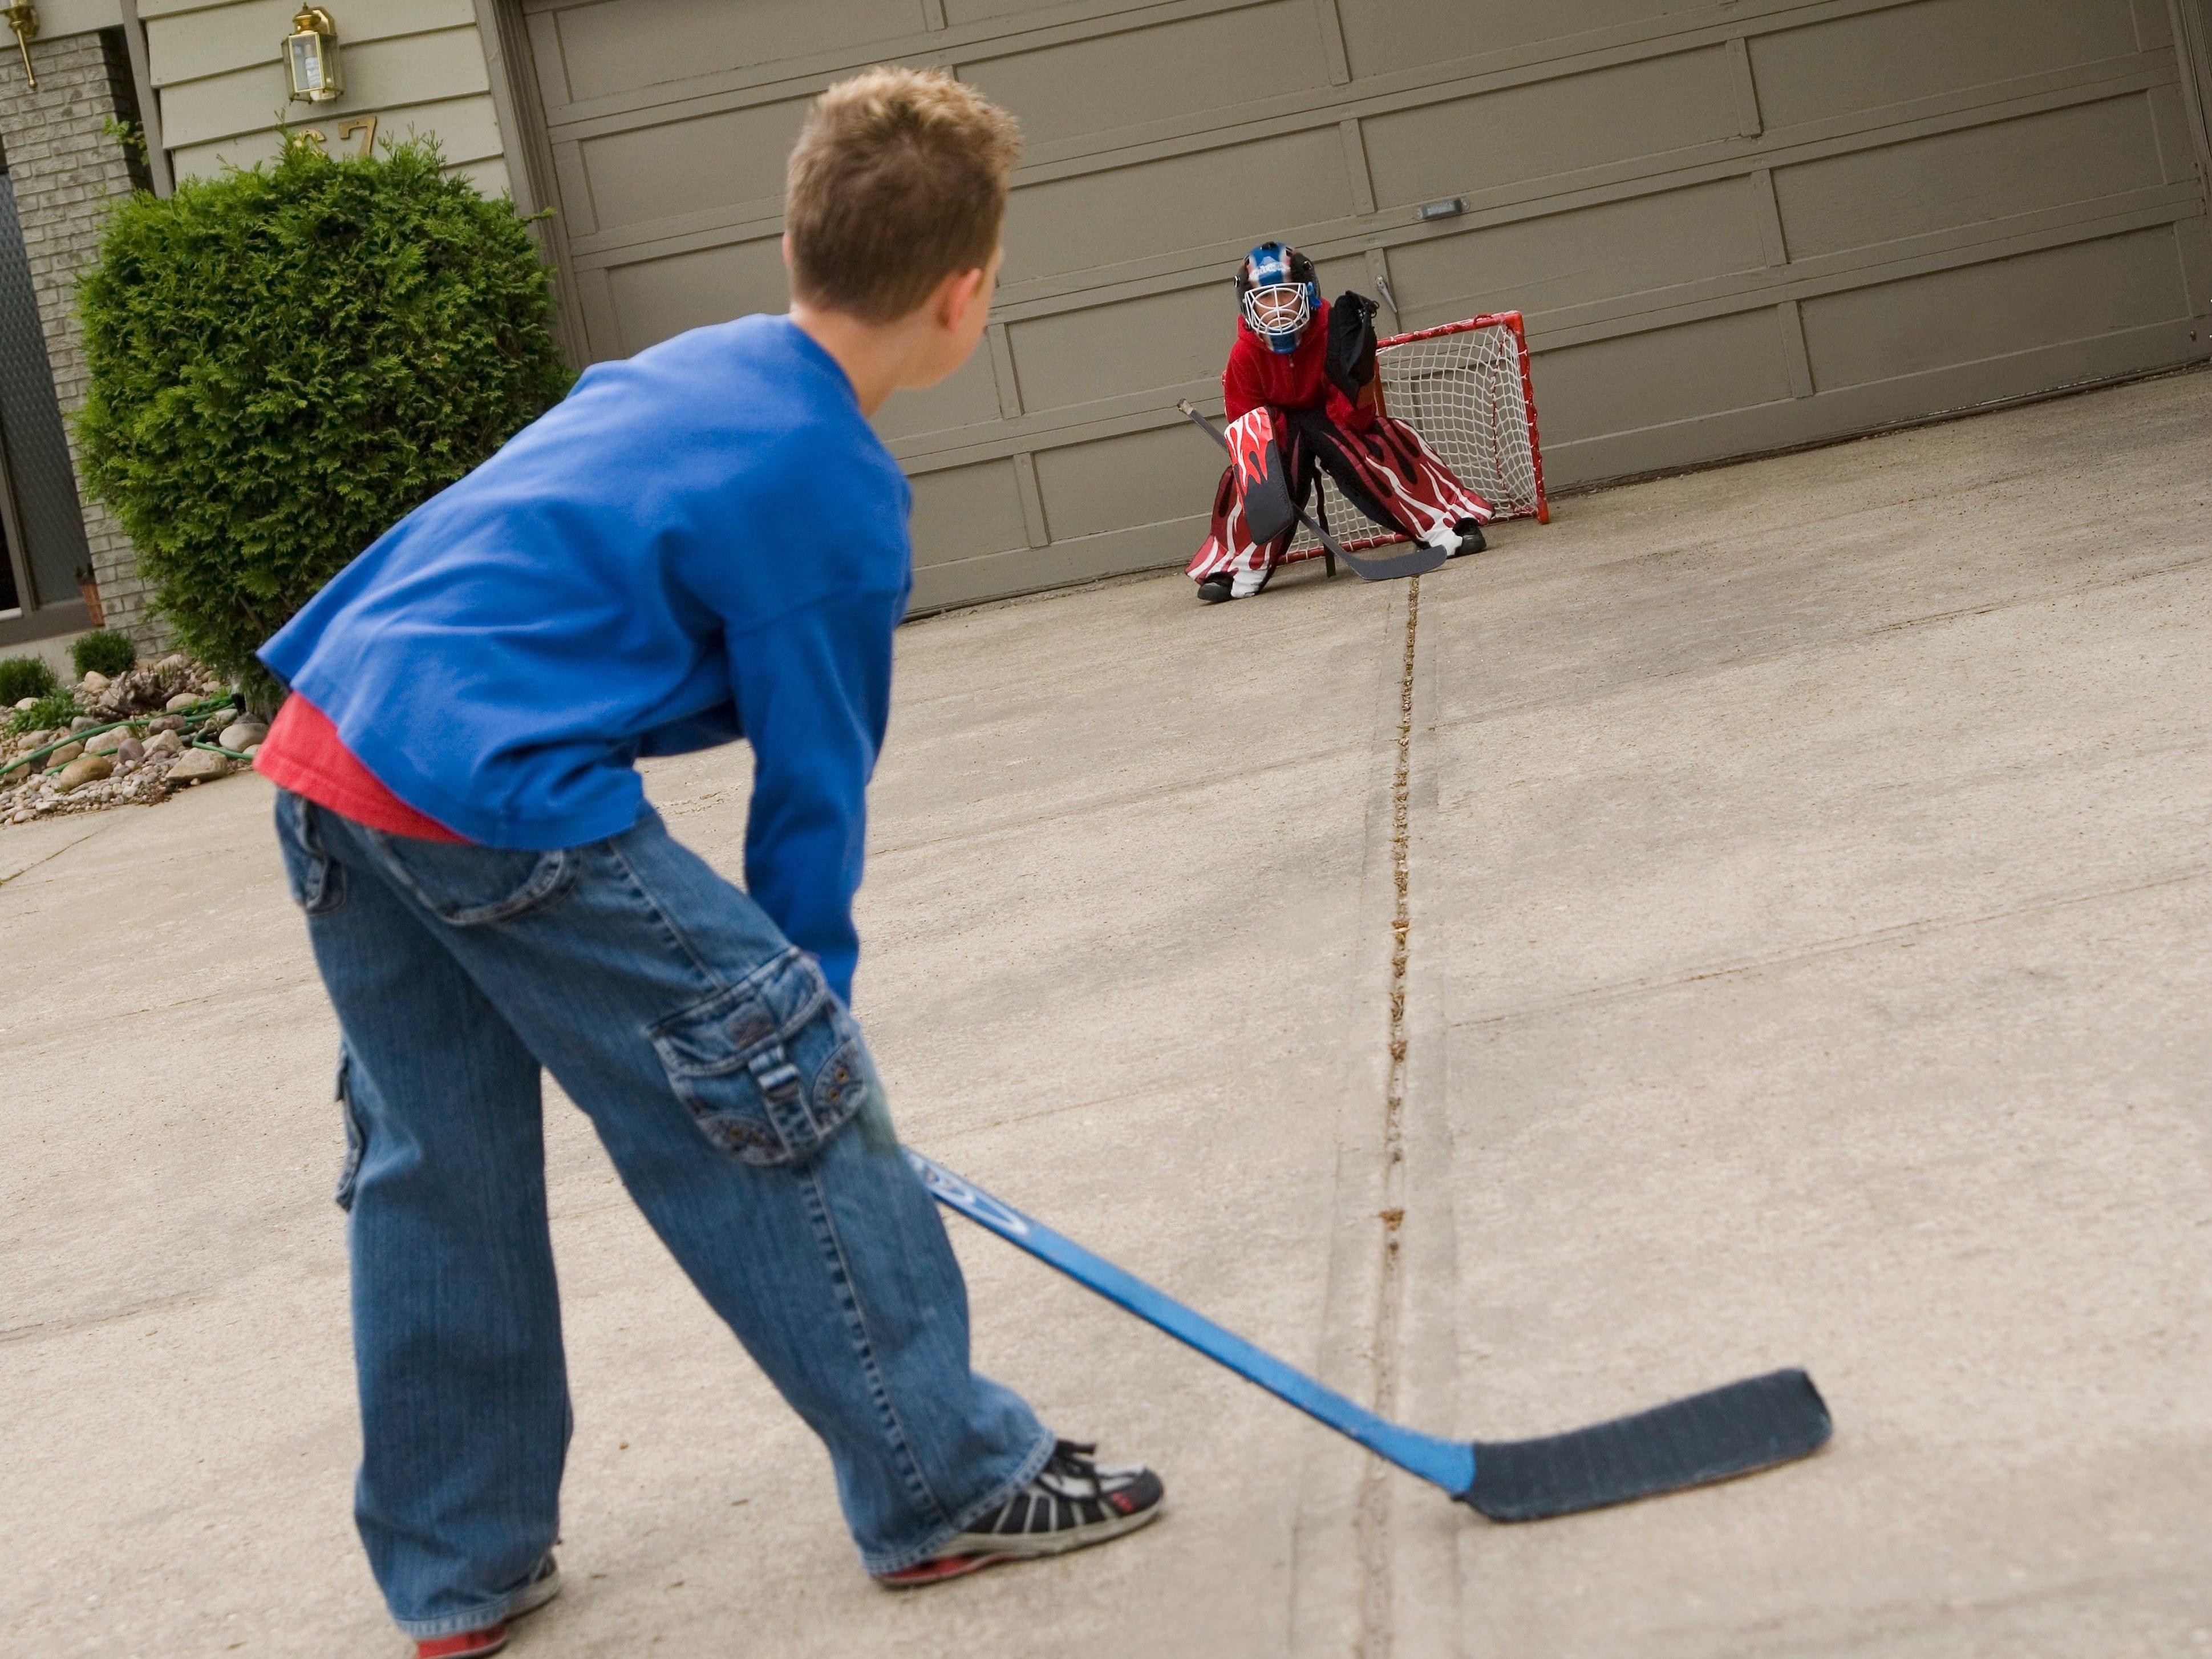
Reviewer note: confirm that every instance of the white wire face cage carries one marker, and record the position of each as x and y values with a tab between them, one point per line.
1277	308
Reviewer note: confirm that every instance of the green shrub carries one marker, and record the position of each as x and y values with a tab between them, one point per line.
55	709
104	651
24	677
287	360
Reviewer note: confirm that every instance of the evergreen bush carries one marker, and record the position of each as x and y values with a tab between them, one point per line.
288	359
103	651
24	677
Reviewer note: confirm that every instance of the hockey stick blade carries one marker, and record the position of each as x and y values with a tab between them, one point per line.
1729	1432
1416	560
1715	1436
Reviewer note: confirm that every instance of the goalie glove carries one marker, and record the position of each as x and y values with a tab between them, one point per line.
1351	348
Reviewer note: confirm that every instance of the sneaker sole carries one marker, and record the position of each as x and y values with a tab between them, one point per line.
981	1552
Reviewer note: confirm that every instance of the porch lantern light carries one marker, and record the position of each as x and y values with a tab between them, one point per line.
310	58
23	19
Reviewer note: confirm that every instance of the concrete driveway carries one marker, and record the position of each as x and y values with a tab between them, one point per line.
1805	893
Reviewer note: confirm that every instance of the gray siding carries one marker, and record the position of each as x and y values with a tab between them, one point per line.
417	65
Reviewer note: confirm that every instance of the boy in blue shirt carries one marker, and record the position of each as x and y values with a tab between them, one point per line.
705	543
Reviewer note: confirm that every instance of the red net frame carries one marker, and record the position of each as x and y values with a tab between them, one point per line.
1464	386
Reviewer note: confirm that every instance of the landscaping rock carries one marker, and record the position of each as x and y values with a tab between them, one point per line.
243	735
107	742
166	741
29	703
197	766
66	753
130	752
94	681
84	723
166	723
182	700
91	768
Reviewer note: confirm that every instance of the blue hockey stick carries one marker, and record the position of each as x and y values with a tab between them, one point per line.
1726	1431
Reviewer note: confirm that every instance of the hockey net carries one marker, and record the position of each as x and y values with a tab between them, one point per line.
1465	388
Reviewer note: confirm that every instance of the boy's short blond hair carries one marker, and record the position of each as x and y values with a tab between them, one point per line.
899	179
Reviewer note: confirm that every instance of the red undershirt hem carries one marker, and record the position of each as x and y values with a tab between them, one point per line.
303	753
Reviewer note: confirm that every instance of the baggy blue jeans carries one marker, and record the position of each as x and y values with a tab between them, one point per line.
734	1094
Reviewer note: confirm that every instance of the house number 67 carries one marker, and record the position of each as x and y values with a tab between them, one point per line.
366	126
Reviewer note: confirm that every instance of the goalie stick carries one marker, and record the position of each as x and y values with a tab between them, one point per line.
1725	1431
1417	560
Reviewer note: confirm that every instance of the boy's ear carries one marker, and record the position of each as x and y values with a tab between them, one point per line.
958	292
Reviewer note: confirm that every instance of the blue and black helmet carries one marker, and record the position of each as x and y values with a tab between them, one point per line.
1278	293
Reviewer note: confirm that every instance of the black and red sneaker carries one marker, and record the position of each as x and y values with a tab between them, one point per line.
1071	1504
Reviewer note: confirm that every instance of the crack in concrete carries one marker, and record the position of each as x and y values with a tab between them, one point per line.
15	874
1372	1519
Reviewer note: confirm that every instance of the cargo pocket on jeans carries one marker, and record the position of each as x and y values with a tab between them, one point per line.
769	1068
357	1134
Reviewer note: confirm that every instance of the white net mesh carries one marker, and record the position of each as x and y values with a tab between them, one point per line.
1462	390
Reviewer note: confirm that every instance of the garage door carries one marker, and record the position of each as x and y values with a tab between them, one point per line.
1732	226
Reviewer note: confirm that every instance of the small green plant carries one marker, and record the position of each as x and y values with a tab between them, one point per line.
103	652
287	360
55	709
24	677
128	134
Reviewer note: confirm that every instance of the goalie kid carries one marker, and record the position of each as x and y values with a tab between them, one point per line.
1301	376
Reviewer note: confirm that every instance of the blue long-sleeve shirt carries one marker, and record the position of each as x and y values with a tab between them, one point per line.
703	543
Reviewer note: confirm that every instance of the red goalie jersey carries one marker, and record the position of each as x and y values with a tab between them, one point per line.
1258	376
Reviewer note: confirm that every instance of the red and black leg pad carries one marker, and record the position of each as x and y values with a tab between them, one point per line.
1263	480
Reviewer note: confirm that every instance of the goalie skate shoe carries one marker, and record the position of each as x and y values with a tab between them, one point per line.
1073	1503
1463	538
1214	590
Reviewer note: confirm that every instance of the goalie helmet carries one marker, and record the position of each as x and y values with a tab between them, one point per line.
1278	293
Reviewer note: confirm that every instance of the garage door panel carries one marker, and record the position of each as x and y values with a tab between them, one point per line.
967	396
1862	63
1607	251
617	47
1139	478
680	167
1170	72
963	510
1110	350
1535	131
1981	311
1153	341
1382	36
1240	193
1025	570
1663	375
653	299
957	12
1968	177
